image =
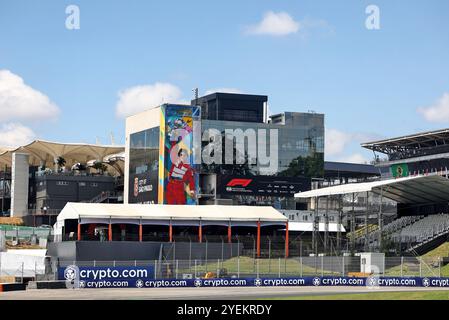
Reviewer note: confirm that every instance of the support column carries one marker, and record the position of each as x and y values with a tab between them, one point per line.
229	233
286	240
170	232
19	184
110	231
258	239
140	232
200	233
79	231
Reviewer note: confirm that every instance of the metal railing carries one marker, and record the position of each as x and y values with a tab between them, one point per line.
105	195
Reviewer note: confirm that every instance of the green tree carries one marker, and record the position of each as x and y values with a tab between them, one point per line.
311	167
100	167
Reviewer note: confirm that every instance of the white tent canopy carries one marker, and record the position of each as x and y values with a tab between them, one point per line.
163	214
413	189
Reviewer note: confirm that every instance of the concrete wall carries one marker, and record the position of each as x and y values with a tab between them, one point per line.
136	123
62	250
19	186
131	250
55	191
2	240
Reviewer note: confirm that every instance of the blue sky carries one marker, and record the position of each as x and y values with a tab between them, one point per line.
370	83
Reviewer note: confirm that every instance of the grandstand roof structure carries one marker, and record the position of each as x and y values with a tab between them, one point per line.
415	141
157	214
165	213
45	152
428	188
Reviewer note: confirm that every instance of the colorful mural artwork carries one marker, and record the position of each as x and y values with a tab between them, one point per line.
178	175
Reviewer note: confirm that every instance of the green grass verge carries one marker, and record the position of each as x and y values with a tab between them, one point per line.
266	267
412	295
441	251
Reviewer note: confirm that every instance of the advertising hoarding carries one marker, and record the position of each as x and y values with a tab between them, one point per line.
262	185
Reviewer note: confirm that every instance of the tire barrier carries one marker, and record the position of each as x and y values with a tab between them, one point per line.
4	287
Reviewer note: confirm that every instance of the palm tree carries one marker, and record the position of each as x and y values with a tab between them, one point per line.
100	166
60	161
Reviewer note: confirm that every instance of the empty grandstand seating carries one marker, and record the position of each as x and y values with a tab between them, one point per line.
423	230
400	223
412	234
389	229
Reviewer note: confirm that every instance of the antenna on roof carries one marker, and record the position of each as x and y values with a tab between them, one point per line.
112	138
97	140
195	93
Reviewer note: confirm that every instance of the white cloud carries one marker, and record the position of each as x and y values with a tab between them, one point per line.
223	90
342	146
19	101
439	112
15	135
275	24
354	158
136	99
336	141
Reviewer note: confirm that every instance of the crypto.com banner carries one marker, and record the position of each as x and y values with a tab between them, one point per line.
138	277
105	277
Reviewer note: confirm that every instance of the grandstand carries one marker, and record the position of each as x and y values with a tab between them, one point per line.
424	224
415	175
424	231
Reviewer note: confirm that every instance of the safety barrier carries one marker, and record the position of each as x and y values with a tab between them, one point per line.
4	287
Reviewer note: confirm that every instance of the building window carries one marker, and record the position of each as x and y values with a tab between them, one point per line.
331	218
62	183
305	218
82	184
94	184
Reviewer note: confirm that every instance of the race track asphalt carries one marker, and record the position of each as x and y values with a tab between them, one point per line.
222	293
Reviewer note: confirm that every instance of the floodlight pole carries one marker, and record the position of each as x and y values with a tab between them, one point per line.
380	223
353	225
366	222
326	226
258	239
314	235
339	222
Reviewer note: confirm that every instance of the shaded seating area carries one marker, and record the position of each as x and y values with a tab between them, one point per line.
168	223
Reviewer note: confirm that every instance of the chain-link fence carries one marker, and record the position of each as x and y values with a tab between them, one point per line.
17	236
243	266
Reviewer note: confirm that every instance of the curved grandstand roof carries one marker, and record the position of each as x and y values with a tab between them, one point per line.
46	152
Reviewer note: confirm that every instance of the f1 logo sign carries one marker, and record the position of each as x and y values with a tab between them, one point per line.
239	182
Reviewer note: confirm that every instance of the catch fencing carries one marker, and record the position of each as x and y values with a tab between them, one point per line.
247	267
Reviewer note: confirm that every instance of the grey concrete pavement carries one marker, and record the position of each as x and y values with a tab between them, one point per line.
220	293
